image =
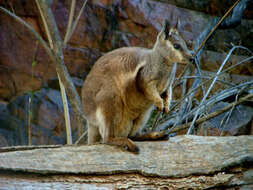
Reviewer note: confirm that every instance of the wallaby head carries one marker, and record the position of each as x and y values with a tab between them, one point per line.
171	45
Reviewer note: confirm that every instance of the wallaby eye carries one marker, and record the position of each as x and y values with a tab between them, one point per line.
177	46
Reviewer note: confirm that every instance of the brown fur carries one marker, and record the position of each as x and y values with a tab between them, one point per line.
124	84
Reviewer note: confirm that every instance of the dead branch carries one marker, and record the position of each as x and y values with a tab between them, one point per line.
212	115
214	99
71	16
216	26
180	163
60	66
218	97
210	88
62	88
71	27
187	102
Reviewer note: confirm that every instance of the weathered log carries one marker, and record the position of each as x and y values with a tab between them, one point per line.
185	162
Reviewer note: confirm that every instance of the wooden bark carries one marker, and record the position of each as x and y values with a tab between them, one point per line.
183	162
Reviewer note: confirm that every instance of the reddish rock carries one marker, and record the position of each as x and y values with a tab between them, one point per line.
48	124
16	60
80	60
151	14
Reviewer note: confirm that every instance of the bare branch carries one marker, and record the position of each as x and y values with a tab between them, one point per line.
210	87
225	70
62	88
66	111
45	26
76	22
212	115
236	16
81	137
71	16
209	78
60	66
214	99
216	26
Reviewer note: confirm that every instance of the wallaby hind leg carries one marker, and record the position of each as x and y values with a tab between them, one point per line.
139	124
108	121
93	134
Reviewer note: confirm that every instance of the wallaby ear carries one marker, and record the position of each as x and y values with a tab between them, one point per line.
175	27
165	30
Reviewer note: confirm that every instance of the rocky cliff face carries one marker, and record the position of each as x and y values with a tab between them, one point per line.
104	25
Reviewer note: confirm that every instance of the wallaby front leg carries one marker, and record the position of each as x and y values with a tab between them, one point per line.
167	99
152	94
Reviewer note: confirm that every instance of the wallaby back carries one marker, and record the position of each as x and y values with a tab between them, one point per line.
119	92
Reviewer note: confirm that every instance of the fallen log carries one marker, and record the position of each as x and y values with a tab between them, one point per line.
183	162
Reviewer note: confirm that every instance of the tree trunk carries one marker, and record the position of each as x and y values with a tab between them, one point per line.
183	162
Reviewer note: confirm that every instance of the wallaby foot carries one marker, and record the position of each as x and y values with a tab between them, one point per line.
150	136
125	143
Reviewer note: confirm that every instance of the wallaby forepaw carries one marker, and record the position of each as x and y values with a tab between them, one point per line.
166	110
160	106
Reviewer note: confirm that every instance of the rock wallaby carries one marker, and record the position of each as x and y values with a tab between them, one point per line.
119	92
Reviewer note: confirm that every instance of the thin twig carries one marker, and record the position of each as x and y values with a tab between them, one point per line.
76	21
210	88
71	16
81	137
62	88
208	36
30	98
45	26
209	78
225	70
212	115
156	120
228	116
196	88
241	62
216	26
216	98
29	120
